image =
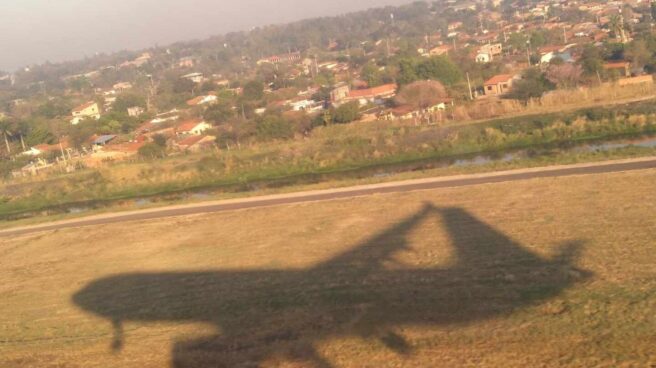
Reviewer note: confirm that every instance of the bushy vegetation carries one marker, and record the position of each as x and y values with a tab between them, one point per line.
332	150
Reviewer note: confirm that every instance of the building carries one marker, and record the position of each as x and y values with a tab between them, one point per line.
483	58
141	60
121	87
166	116
293	57
85	111
623	68
187	62
498	85
103	140
192	127
439	50
372	95
135	111
202	100
564	56
487	52
340	92
195	143
194	77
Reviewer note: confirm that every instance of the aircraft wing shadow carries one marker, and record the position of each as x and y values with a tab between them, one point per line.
283	314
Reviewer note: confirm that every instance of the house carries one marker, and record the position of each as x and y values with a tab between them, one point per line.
303	105
483	58
340	92
439	50
404	112
135	111
141	60
87	110
202	100
195	142
103	140
487	52
454	25
493	49
623	68
41	149
498	85
372	95
194	77
149	129
122	87
293	57
192	127
440	106
564	56
166	116
114	152
187	62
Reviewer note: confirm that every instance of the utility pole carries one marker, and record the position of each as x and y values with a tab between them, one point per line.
565	35
471	95
61	148
528	52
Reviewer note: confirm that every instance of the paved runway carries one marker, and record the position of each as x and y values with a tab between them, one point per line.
460	181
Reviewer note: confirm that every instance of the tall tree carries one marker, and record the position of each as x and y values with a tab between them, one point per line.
422	94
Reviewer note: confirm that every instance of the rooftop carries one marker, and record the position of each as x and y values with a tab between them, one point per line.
501	78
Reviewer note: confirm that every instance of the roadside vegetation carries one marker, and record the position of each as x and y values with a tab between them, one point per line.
333	152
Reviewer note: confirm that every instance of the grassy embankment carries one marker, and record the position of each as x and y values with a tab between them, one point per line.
337	153
510	308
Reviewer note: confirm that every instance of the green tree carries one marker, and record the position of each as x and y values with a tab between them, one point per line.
6	129
126	100
591	60
532	85
254	90
152	150
372	75
421	94
219	112
407	71
346	113
439	68
274	127
638	53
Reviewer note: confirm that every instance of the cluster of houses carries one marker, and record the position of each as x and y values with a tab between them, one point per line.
483	46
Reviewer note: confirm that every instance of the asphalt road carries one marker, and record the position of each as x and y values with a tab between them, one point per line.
339	194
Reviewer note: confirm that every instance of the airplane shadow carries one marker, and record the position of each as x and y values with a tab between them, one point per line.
283	314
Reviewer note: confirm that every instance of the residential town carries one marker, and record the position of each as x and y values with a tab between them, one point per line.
474	55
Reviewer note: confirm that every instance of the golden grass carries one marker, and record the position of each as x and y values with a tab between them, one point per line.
606	321
606	94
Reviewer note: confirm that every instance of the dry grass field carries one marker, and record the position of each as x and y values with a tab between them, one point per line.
540	273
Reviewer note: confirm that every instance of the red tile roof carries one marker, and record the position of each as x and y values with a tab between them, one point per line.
190	141
501	78
195	101
84	106
188	125
385	89
617	65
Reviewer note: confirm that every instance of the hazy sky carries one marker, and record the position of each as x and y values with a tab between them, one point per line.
33	31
